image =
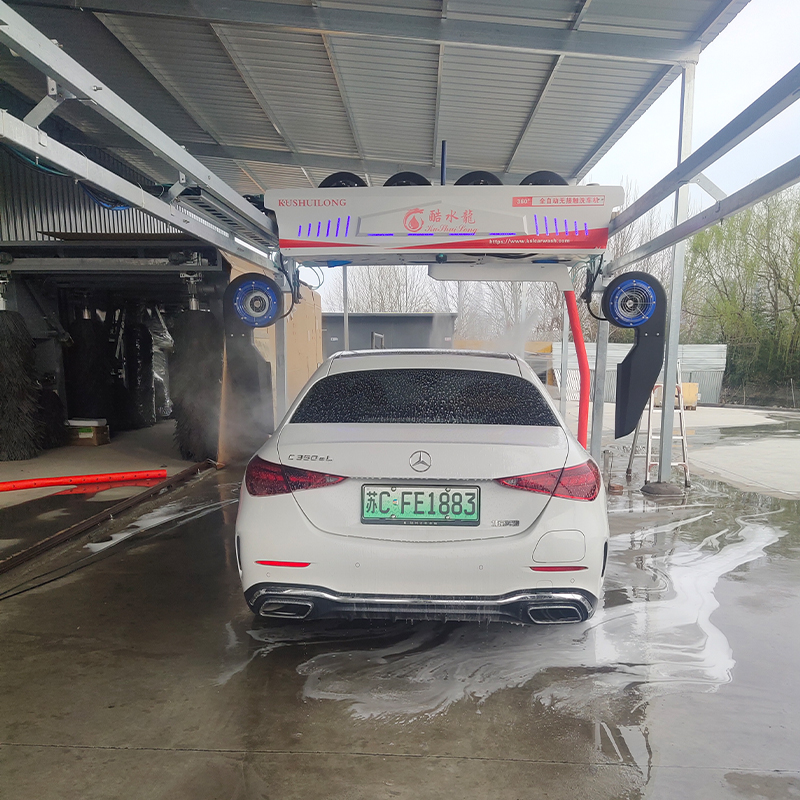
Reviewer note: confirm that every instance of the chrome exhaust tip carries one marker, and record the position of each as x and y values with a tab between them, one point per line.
294	609
555	614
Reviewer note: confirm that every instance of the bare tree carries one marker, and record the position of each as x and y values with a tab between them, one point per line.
374	289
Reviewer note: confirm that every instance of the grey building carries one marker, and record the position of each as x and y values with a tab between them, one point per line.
397	330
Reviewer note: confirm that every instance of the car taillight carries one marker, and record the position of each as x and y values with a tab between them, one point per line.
581	482
263	478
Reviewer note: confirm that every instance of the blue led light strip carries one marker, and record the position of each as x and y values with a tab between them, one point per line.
347	227
536	222
338	223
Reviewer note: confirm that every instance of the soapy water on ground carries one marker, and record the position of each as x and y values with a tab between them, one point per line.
177	513
653	631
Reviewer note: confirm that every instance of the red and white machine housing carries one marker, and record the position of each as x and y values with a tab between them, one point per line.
461	232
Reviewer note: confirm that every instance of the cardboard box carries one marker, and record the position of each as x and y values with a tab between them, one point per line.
691	396
89	435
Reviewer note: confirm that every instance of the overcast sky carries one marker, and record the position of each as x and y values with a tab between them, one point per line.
760	46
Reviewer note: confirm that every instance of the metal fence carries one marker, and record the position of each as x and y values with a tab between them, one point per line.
703	364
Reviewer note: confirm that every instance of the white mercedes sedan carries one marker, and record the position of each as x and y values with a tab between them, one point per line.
423	484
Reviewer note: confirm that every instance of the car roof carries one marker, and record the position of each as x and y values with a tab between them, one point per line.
474	360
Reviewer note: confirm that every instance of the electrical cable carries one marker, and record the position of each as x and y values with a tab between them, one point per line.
100	198
34	163
591	278
289	280
105	201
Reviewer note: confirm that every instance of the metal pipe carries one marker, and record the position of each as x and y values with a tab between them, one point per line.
281	370
583	366
676	284
599	389
345	309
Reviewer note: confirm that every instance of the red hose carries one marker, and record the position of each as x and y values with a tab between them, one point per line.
78	480
583	367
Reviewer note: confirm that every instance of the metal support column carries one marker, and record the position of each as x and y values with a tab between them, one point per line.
281	371
282	351
345	309
599	390
562	398
676	284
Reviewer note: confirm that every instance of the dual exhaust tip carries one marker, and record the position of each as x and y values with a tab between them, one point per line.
539	614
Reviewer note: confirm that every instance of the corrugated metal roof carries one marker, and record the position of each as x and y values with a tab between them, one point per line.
554	13
586	99
486	98
391	89
190	62
239	80
290	75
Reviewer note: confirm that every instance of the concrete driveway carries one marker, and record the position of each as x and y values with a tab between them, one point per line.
131	667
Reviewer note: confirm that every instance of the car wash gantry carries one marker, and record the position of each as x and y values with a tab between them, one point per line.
475	230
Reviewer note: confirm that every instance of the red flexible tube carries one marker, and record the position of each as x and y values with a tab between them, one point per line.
78	480
583	366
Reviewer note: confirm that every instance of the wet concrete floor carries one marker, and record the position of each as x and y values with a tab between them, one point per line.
131	667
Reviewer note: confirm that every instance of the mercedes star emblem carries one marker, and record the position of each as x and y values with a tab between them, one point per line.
420	461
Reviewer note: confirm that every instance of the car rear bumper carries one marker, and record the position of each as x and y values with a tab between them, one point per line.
529	606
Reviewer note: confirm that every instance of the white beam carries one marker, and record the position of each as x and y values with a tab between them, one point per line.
25	40
776	99
776	181
36	142
405	27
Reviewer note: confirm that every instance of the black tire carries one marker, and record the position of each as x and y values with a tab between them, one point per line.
86	370
195	379
20	422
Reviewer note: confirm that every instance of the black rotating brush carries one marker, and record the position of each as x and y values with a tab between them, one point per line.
195	377
20	423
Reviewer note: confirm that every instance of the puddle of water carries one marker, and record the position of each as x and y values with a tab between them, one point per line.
653	632
176	512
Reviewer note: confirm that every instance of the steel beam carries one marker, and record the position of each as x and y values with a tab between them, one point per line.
776	181
775	100
108	265
36	142
676	284
326	21
336	163
548	84
25	40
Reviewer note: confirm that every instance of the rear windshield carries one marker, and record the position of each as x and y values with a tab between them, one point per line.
428	396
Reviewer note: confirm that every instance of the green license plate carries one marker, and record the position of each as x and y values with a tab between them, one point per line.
420	505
